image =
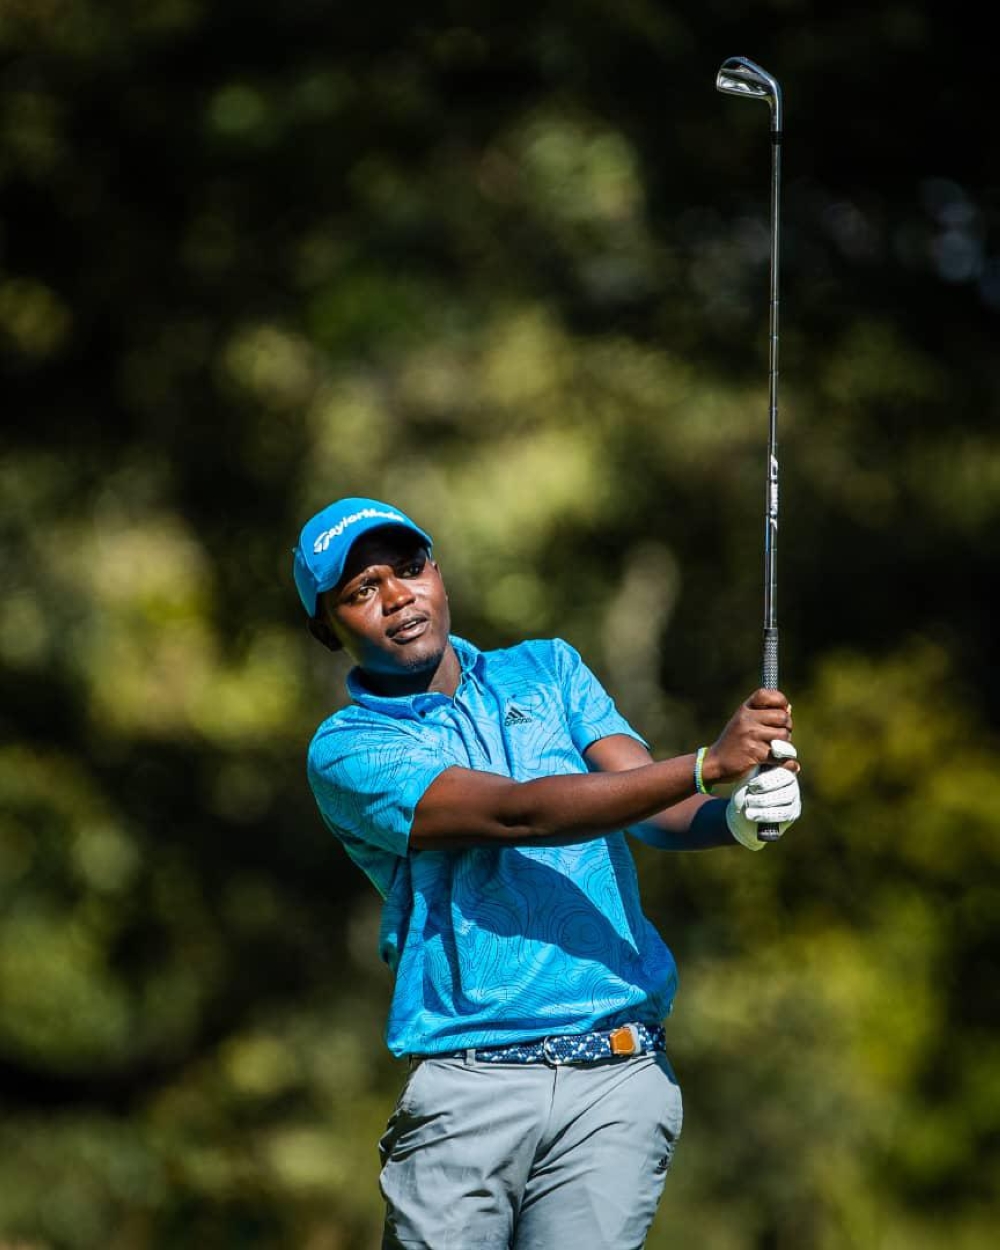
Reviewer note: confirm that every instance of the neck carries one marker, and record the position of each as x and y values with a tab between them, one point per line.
441	678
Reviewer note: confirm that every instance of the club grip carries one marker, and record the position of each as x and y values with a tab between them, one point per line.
769	680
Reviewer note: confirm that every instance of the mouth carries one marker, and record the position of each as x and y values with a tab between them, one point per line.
406	631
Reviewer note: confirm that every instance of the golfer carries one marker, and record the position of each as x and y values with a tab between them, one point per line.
487	795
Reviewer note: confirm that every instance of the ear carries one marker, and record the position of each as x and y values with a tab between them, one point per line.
322	632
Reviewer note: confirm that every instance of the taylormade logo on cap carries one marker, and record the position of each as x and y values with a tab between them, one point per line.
323	540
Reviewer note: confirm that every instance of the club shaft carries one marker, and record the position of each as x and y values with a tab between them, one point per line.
769	664
741	77
771	486
770	504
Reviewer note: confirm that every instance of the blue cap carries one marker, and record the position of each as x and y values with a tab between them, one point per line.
327	538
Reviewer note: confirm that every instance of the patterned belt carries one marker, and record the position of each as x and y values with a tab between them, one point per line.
630	1039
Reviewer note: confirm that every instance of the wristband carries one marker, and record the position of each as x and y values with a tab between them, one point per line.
699	763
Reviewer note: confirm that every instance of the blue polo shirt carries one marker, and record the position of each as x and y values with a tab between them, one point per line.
491	945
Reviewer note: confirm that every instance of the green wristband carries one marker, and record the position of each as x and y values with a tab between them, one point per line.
699	763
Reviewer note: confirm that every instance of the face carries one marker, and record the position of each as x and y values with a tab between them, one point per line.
390	611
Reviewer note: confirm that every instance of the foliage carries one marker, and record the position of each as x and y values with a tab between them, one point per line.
506	266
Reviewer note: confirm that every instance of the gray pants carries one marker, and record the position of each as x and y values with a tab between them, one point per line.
483	1156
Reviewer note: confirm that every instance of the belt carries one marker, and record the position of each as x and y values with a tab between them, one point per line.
629	1039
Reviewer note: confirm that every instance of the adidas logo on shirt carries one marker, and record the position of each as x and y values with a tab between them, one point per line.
515	716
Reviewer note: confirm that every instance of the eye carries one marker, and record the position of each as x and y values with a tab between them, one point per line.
414	567
360	593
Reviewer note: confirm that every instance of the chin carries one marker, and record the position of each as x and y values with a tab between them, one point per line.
416	659
421	654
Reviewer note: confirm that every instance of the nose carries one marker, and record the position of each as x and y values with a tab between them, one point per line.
396	594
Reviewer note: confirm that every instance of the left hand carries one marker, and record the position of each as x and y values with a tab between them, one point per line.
768	797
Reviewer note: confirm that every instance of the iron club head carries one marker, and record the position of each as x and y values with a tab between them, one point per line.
740	76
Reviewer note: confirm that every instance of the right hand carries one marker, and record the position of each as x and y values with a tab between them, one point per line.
745	743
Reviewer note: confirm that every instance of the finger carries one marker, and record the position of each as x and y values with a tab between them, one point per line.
773	806
772	717
763	732
782	750
762	698
773	815
772	780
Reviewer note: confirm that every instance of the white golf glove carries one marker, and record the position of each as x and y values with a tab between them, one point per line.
770	797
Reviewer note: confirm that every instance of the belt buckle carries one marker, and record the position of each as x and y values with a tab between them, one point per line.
625	1040
552	1059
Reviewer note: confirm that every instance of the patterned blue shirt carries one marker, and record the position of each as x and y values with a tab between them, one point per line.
491	945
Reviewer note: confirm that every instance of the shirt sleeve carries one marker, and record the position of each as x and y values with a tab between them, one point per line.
368	783
590	710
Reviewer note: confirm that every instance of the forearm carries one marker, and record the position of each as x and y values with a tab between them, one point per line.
462	808
595	804
697	824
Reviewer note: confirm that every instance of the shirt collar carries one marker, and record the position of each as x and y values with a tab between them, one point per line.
405	706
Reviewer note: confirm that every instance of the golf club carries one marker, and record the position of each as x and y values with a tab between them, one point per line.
741	77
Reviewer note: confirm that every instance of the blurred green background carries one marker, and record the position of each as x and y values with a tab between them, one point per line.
505	265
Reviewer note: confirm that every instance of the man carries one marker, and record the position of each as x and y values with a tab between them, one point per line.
485	795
